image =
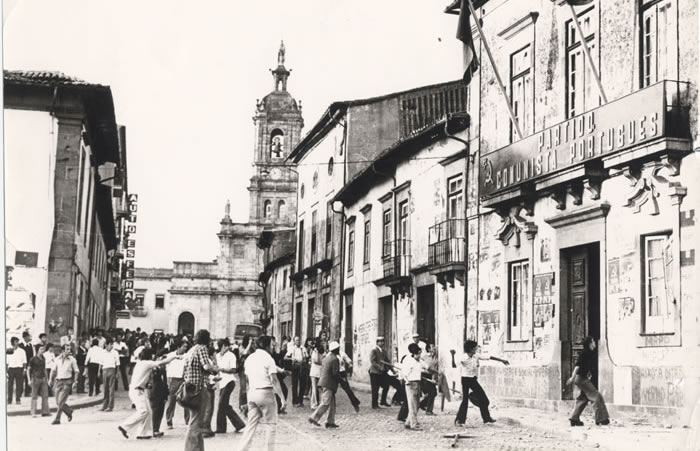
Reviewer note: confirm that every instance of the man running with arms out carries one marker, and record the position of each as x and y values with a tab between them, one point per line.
261	370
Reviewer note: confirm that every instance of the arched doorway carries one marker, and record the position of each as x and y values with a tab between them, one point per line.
185	323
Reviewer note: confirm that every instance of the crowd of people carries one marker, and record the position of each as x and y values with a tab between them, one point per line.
160	371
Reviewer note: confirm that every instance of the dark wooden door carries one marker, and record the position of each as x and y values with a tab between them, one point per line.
426	313
310	318
348	331
580	275
385	322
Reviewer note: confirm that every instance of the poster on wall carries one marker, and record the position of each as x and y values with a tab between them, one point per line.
489	326
543	300
614	276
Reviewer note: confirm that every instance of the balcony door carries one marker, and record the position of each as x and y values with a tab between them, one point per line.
426	313
385	322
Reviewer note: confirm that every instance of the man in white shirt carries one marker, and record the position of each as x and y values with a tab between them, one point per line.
50	358
109	363
16	364
469	370
123	350
411	370
69	338
175	371
261	370
226	361
141	421
92	367
298	355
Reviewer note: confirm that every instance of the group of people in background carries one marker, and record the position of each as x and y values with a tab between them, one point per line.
195	371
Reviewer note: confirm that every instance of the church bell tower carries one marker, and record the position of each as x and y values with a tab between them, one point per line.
278	123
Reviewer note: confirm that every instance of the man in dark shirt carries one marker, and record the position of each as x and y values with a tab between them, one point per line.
585	365
80	354
26	344
36	373
329	385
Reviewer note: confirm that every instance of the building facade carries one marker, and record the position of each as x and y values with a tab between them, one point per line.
586	224
279	252
404	231
62	227
340	148
151	301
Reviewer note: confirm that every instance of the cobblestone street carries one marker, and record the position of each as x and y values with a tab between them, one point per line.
368	430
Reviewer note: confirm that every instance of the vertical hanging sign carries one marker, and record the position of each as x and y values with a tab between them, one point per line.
130	251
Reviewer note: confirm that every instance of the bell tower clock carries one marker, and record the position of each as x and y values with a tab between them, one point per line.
278	123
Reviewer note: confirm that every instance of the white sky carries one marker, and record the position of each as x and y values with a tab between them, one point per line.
185	76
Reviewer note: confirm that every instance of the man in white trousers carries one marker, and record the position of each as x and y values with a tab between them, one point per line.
261	370
141	421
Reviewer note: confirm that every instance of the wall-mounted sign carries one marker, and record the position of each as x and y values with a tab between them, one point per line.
129	245
626	122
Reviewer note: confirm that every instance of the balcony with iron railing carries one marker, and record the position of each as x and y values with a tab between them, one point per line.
446	250
396	266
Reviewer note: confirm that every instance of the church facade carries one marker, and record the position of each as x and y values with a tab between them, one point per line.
225	293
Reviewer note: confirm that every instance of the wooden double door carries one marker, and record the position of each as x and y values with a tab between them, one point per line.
580	306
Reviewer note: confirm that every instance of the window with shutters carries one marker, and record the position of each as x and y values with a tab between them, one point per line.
581	90
659	284
518	298
659	41
521	91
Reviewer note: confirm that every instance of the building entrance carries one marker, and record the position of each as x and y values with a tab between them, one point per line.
185	323
426	313
384	324
580	306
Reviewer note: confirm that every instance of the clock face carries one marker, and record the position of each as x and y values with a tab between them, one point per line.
275	172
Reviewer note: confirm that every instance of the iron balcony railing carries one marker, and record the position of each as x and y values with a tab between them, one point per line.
397	262
446	242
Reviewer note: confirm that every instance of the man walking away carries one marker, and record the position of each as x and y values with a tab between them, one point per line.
174	370
226	361
36	372
141	420
158	395
109	364
92	362
64	379
16	364
123	350
263	384
345	364
329	385
197	367
298	356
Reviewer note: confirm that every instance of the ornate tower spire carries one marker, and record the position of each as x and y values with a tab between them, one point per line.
281	73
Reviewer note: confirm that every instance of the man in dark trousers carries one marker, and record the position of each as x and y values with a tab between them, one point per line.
329	385
378	372
26	344
228	367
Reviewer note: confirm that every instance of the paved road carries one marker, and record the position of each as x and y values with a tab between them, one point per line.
368	430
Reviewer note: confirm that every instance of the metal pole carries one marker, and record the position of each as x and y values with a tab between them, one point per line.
495	70
588	54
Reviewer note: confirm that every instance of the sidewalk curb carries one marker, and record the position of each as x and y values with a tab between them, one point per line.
89	403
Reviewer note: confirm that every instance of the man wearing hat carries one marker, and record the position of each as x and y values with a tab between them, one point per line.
377	372
421	344
329	385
